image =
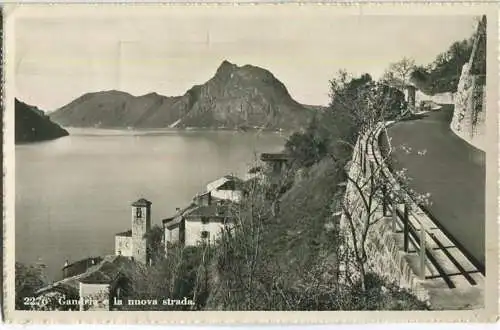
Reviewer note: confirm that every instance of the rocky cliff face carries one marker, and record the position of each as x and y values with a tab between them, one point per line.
469	116
31	125
236	97
468	120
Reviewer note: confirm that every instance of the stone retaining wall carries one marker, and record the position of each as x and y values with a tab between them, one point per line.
383	246
441	98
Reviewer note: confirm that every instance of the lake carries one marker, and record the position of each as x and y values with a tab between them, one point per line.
74	193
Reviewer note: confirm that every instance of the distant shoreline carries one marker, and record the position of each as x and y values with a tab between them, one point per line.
105	130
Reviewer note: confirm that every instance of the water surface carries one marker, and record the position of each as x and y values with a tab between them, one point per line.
74	193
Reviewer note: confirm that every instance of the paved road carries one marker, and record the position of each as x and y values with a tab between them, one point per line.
451	170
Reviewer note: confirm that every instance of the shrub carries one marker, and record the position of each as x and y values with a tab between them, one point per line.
181	274
28	279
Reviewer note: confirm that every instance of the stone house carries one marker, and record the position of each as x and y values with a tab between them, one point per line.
278	166
91	290
203	220
228	187
200	222
123	243
278	162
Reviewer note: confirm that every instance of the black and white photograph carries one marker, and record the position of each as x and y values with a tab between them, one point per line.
249	158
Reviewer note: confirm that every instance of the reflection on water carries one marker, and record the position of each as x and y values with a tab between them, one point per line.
73	194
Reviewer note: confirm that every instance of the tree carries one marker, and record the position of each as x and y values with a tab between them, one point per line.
256	260
479	60
239	254
306	148
398	74
368	105
156	247
420	76
28	279
367	185
443	74
175	277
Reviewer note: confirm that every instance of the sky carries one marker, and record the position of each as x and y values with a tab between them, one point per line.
61	57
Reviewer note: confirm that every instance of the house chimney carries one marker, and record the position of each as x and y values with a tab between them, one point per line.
66	263
177	209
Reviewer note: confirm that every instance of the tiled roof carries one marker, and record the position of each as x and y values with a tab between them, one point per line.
233	178
199	211
69	288
97	278
142	202
274	157
105	272
171	222
209	211
203	194
221	181
85	261
81	266
181	211
167	220
127	233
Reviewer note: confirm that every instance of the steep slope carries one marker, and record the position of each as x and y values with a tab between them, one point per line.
244	96
32	125
116	109
235	97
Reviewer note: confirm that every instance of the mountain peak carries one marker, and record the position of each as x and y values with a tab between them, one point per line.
226	63
235	96
226	67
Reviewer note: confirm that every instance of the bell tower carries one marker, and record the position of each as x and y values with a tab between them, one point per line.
141	224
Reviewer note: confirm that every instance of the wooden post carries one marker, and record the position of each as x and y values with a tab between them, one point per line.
394	216
364	161
360	151
384	200
406	229
361	155
422	252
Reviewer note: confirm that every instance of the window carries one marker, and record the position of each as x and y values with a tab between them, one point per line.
204	234
138	212
205	220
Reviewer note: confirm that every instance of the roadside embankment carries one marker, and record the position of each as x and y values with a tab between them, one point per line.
403	243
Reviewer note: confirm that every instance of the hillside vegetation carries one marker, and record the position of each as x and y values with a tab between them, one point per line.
443	74
235	97
282	253
31	125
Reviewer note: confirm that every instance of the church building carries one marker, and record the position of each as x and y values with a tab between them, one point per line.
132	243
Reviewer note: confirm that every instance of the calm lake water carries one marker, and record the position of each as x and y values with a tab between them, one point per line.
74	193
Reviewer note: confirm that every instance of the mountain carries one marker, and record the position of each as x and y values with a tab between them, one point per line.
235	97
31	124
